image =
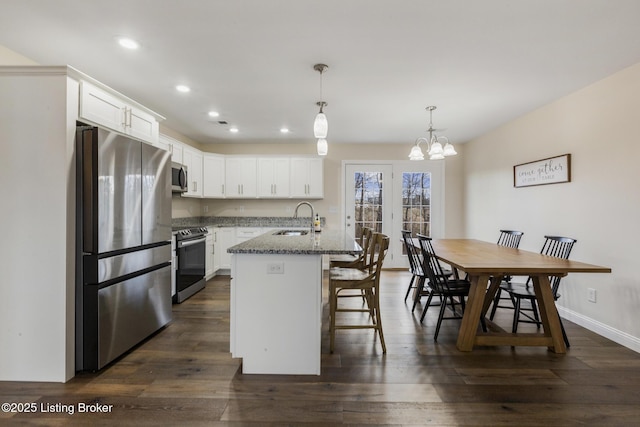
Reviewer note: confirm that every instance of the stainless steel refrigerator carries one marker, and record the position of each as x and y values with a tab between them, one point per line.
123	287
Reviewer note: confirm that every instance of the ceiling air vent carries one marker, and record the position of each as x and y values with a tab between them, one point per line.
223	122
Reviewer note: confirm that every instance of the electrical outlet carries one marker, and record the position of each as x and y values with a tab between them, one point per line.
206	208
275	268
591	295
241	208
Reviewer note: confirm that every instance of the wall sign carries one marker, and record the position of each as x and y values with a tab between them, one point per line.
546	171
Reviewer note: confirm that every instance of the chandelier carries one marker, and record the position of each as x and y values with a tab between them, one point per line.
436	150
320	124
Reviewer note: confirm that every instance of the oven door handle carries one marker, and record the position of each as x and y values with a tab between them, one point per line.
191	242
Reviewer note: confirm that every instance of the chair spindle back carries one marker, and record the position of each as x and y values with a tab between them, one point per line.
559	247
415	263
431	265
510	238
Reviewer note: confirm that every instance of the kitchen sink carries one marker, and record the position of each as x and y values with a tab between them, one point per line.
291	233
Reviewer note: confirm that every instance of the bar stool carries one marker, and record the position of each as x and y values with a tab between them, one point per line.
366	280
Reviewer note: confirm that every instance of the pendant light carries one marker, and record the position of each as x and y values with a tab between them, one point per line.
323	148
320	124
436	150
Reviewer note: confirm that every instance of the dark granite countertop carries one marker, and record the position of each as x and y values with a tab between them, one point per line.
325	242
239	221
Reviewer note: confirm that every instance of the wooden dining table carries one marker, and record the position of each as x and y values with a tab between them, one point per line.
486	264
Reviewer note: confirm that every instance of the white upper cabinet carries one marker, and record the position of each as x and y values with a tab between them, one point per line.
273	177
213	184
216	176
241	177
193	162
173	146
106	109
307	178
141	125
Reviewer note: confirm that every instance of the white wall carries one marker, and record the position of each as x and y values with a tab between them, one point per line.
598	126
9	57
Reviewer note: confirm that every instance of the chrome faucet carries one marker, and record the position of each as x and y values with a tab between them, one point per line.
295	214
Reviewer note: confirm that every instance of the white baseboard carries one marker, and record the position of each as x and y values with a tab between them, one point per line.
599	328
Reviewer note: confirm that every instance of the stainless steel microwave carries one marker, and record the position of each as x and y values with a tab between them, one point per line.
178	178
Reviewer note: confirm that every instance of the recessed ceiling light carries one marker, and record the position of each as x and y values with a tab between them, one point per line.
233	130
183	88
214	114
284	130
128	43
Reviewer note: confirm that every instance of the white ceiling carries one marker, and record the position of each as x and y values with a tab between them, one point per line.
482	63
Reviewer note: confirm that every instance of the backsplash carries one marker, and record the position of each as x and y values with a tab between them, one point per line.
243	221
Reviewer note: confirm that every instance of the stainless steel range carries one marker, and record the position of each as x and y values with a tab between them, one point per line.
191	257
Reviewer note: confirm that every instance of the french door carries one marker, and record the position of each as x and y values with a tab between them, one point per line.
368	198
394	196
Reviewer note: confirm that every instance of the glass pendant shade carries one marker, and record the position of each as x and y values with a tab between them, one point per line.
436	148
320	126
323	147
416	153
449	150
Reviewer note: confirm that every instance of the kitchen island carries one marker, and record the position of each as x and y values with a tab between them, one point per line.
276	299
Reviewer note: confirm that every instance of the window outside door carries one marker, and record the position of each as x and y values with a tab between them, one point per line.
392	197
367	201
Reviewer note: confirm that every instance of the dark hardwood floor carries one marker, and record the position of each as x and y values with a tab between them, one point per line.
184	375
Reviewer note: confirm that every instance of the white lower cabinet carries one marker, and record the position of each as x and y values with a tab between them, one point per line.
246	233
224	238
210	269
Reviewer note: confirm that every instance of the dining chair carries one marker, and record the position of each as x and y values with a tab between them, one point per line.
509	239
442	284
555	246
367	280
419	281
418	277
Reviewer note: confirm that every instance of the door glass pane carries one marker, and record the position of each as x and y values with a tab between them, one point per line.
416	202
368	201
